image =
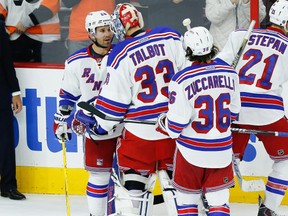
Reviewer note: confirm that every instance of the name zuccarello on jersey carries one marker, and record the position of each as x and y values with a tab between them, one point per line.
209	82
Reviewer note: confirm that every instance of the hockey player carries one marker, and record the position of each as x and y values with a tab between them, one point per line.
139	70
84	74
261	71
203	100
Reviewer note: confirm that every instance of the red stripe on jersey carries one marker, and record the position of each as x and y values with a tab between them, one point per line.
111	107
205	144
146	112
261	100
124	51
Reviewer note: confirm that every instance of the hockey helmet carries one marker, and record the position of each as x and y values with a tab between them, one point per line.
124	17
199	40
97	19
279	13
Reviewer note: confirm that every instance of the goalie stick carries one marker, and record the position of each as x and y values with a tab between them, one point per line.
260	132
86	106
246	185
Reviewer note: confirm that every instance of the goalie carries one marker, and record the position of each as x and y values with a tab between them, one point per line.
139	70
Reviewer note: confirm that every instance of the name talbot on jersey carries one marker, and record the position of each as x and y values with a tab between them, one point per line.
147	53
210	82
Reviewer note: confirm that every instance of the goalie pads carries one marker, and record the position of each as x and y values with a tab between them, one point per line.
131	202
169	193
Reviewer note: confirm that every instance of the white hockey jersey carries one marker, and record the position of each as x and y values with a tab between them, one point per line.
82	79
203	100
262	71
140	70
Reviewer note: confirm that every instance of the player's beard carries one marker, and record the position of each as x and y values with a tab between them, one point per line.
103	45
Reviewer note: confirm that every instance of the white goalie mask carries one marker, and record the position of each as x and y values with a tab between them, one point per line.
124	17
199	40
97	19
279	13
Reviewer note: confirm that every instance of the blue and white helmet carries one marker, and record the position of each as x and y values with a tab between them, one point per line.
279	13
97	19
199	40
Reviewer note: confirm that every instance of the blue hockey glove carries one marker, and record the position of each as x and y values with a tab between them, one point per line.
83	122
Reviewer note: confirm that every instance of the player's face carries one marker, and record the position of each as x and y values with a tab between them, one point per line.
104	36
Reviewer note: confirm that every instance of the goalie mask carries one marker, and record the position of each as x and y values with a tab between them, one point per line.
199	40
279	13
124	17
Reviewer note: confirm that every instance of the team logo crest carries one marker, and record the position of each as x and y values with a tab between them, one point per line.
99	162
280	152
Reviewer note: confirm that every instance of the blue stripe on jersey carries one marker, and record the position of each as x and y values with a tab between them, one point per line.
111	107
147	112
158	34
176	127
234	116
82	53
136	45
261	101
67	98
271	33
206	144
193	71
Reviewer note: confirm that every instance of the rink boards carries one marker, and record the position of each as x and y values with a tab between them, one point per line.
39	155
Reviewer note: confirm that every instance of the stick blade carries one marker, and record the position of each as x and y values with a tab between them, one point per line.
86	106
253	185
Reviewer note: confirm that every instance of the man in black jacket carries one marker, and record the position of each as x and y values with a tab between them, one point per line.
9	94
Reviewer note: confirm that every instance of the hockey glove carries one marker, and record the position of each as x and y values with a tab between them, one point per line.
160	125
61	128
83	122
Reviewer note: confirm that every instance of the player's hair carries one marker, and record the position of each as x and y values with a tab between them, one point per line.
204	58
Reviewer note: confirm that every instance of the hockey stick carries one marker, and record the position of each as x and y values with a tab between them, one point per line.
247	185
244	42
86	106
252	185
65	177
260	132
